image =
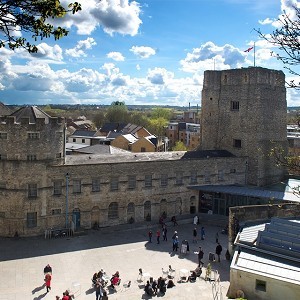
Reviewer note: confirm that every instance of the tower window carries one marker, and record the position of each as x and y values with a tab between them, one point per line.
234	105
237	143
33	135
3	135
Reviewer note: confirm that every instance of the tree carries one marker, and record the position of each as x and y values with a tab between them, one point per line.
158	126
117	112
160	112
286	38
31	17
179	146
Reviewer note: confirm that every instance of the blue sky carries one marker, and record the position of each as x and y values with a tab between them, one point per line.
142	52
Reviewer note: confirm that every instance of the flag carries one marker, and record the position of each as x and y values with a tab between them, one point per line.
249	49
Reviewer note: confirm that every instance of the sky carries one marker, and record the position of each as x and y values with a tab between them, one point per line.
151	52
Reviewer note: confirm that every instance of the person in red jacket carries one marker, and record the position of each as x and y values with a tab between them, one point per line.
157	235
48	281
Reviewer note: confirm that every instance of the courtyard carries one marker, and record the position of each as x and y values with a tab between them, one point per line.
122	248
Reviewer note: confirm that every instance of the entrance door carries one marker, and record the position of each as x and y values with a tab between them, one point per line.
76	218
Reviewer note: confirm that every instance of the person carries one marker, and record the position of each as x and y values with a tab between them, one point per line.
162	286
99	290
150	236
94	278
195	220
170	284
200	257
47	269
202	233
174	235
175	243
192	277
115	281
104	297
48	281
173	219
157	235
219	251
195	235
148	288
154	287
217	237
165	230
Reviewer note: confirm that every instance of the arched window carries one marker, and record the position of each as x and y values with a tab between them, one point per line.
113	210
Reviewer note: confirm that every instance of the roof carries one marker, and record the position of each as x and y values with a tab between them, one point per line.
99	149
107	127
84	133
130	138
135	157
4	110
266	265
31	112
249	191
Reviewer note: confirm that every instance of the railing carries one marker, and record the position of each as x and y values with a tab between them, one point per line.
216	285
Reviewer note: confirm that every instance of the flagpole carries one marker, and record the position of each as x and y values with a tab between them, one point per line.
254	54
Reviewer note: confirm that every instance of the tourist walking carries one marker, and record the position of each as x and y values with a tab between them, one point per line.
219	251
165	231
150	236
202	233
200	257
48	281
157	235
175	243
217	237
195	220
195	235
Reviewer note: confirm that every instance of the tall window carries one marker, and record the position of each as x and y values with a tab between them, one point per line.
237	143
164	180
148	180
114	184
57	187
32	190
113	210
234	105
76	186
3	157
31	157
33	135
131	182
220	175
3	135
95	185
179	178
31	220
193	177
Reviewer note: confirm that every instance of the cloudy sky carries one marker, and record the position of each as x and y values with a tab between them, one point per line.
142	52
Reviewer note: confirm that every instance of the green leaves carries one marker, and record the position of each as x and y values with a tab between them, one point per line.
31	16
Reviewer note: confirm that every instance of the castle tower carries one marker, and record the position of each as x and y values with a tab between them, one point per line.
244	112
32	135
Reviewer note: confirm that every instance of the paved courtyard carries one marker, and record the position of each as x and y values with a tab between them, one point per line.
122	248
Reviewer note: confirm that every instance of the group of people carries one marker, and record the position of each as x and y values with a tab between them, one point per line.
161	285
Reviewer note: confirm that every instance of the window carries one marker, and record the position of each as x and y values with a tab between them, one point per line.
57	187
131	182
31	157
193	177
114	184
232	170
206	178
148	180
74	140
31	220
221	175
2	185
171	135
113	210
83	141
96	185
33	135
164	180
237	143
32	190
3	135
76	186
3	157
179	178
143	149
234	105
260	285
58	155
56	211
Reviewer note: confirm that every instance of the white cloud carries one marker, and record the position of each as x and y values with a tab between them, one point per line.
159	76
117	56
143	51
211	56
266	21
79	49
114	16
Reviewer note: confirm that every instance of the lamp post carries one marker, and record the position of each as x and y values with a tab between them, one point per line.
67	204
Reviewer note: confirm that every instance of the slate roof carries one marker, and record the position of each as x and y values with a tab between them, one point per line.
83	133
107	127
31	112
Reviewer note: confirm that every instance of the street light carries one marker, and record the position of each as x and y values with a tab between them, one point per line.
67	204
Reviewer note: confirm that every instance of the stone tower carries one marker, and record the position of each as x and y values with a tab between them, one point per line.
29	134
244	112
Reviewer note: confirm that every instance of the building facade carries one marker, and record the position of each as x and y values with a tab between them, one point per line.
41	188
